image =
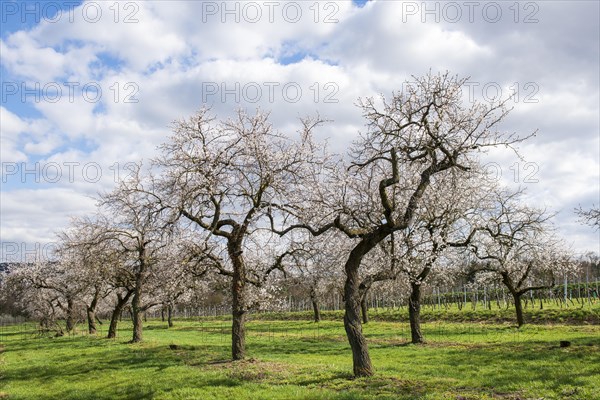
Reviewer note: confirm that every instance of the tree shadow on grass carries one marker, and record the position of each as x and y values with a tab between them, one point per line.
118	370
131	372
507	365
377	386
83	355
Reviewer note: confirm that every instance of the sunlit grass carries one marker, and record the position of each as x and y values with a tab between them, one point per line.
304	360
577	313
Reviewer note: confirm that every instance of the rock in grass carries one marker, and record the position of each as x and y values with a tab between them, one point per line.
565	343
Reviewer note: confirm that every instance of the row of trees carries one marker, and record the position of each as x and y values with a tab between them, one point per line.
236	203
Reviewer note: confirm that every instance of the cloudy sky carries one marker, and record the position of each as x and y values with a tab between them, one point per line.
89	87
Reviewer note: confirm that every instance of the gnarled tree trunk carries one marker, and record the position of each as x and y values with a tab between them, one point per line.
364	308
360	352
116	314
315	305
70	317
414	305
91	317
518	308
414	312
238	309
137	312
516	297
170	315
91	313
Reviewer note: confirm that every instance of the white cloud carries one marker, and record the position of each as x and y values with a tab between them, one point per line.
25	136
10	128
33	215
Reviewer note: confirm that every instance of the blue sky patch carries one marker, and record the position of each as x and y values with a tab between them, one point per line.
24	15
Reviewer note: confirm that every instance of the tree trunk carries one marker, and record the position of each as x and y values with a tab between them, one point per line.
315	304
114	322
91	312
162	314
138	323
170	315
137	312
414	313
516	297
70	318
364	308
360	353
238	308
518	308
91	317
116	314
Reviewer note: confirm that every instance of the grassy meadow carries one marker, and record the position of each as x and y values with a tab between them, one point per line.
295	359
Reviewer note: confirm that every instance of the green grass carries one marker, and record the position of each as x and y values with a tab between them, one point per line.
304	360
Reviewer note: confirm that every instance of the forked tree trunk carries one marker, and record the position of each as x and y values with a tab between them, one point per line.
360	352
91	313
116	314
516	297
361	360
414	313
238	309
